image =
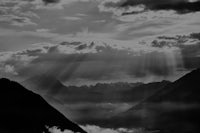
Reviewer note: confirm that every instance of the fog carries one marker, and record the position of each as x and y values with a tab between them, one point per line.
97	129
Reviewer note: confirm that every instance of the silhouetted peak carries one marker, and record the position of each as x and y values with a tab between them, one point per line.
4	80
183	90
165	81
11	86
24	111
192	76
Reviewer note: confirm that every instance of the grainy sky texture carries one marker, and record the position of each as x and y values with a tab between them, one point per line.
87	41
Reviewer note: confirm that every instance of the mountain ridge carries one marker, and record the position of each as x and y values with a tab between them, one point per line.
100	92
171	109
24	111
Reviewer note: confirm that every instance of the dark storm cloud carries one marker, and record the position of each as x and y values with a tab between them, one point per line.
50	1
180	6
45	1
195	36
33	52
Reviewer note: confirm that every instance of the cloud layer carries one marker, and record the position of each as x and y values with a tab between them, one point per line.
97	129
140	6
95	61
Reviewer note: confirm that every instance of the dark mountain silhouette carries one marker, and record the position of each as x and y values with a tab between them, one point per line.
23	111
143	91
172	109
183	90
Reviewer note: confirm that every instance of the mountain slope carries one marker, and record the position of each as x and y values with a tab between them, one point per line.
23	111
132	95
175	108
143	91
184	90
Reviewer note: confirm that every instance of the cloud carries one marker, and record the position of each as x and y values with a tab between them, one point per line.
76	61
99	21
81	15
53	4
125	7
96	61
84	35
22	12
176	41
13	12
43	30
114	7
19	21
12	62
39	33
85	61
62	1
150	24
138	22
188	45
8	69
86	108
180	6
51	1
72	18
57	130
178	20
97	129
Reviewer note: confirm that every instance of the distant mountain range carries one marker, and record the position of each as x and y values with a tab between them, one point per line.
101	92
23	111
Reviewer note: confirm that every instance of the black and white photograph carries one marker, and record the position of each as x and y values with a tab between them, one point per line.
99	66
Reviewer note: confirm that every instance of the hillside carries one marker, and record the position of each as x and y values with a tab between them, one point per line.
23	111
174	108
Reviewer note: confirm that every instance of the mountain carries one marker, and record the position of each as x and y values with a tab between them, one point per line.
172	109
130	95
184	90
86	96
100	92
47	85
143	91
23	111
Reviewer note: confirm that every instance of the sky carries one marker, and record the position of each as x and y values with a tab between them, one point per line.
90	41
